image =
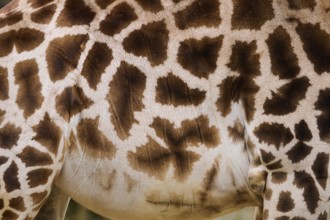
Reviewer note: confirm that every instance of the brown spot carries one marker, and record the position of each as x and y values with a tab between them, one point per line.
151	5
29	97
199	13
3	160
237	132
303	133
266	157
125	97
107	180
298	218
275	165
284	60
209	181
268	194
7	43
282	218
316	43
38	177
27	39
9	135
323	216
287	99
299	152
71	102
302	4
120	17
104	3
9	215
39	3
200	56
251	14
323	120
285	202
11	18
44	15
130	182
310	192
48	134
98	58
63	54
171	90
17	203
10	178
2	205
2	115
39	197
150	41
93	142
273	134
75	12
33	157
4	90
320	169
279	177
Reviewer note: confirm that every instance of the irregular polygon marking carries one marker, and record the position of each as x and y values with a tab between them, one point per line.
320	169
119	18
9	215
266	157
62	55
199	57
299	152
151	5
38	177
284	60
104	3
125	97
149	41
33	157
17	203
9	135
251	14
38	197
44	15
323	120
171	90
92	141
323	216
48	134
98	58
29	97
273	134
275	165
11	18
287	99
208	182
279	177
199	13
285	202
302	4
316	43
4	86
10	178
311	194
7	42
75	12
3	160
237	131
27	39
302	131
71	102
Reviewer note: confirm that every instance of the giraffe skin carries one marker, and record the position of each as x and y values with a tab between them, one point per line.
165	109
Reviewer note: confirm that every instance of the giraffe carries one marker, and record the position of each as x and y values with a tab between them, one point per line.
165	109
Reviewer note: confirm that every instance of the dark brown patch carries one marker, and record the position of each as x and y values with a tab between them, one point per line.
171	90
75	12
98	58
119	18
44	15
93	142
316	45
33	157
4	87
284	60
71	102
287	98
39	3
209	180
3	160
151	5
9	135
2	115
104	3
275	165
29	97
9	215
11	18
7	43
125	97
301	4
2	205
298	218
303	133
237	131
285	202
320	169
266	157
27	39
38	177
17	203
282	218
323	120
48	134
10	178
200	56
323	216
279	177
310	192
39	197
63	54
150	41
251	14
199	13
273	134
268	194
299	152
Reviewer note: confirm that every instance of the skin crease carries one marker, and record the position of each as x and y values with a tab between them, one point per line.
164	109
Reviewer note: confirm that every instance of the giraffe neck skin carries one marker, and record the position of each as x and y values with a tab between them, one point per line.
165	109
